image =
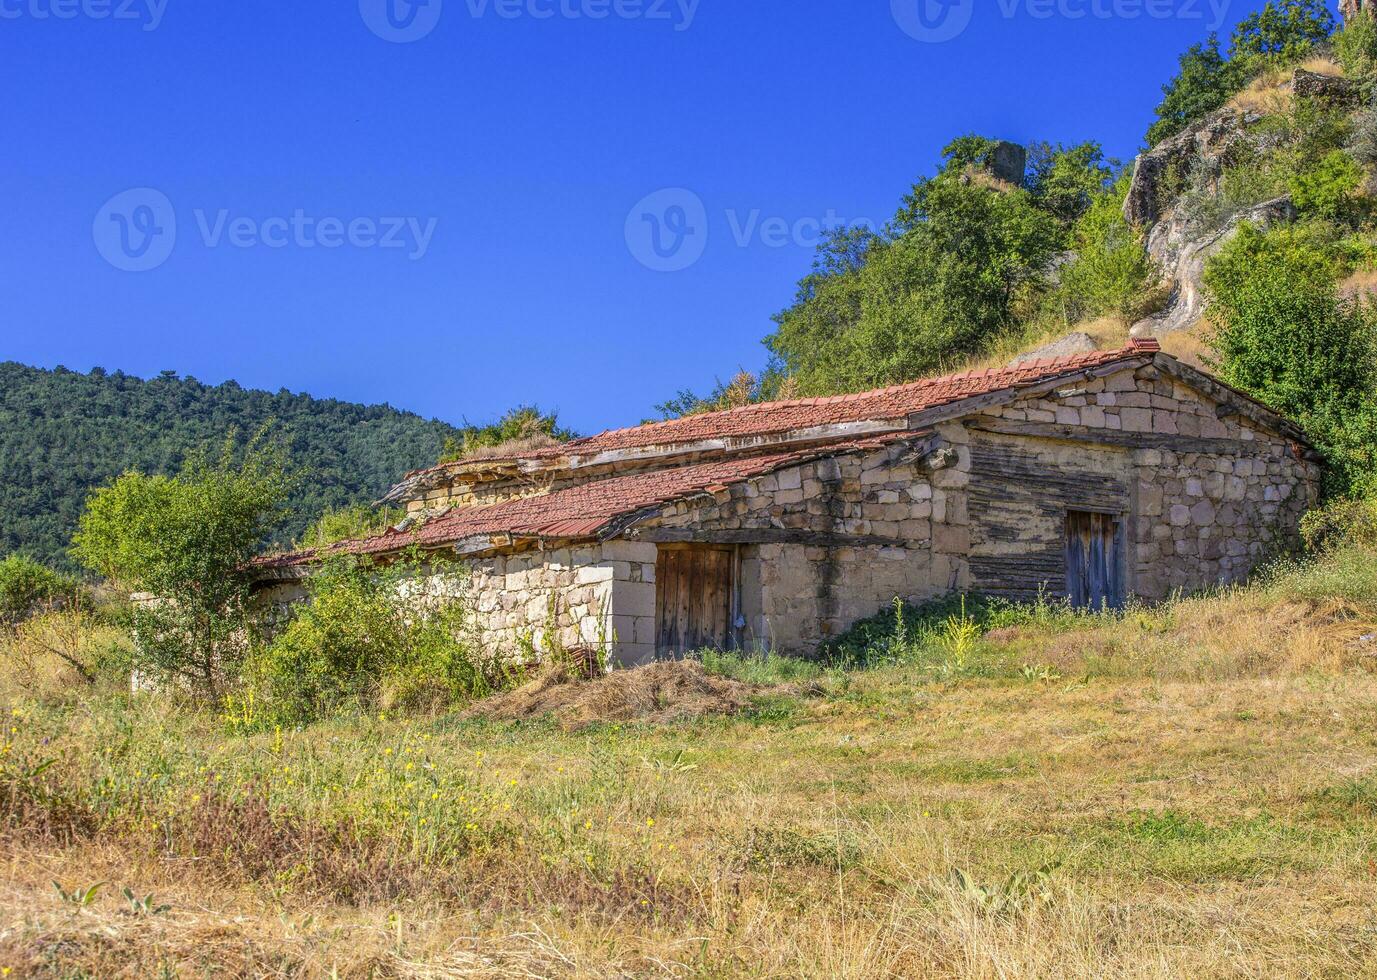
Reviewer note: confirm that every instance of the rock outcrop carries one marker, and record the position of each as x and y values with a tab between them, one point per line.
1182	253
1008	162
1330	89
1205	144
1180	239
1072	343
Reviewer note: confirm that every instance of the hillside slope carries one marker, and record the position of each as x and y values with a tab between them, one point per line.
63	433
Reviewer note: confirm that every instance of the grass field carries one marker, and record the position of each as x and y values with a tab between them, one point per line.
1189	791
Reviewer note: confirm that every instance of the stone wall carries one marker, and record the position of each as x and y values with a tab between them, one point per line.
1196	518
907	527
590	596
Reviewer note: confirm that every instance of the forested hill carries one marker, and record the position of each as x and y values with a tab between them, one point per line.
63	432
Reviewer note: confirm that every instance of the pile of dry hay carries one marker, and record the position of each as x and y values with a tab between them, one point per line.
657	694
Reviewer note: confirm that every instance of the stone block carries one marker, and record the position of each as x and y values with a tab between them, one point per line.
1202	514
951	540
1136	419
633	599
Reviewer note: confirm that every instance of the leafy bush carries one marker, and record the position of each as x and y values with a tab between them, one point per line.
1283	336
1341	524
1328	189
1356	46
350	524
366	640
524	427
46	650
27	587
1112	273
184	542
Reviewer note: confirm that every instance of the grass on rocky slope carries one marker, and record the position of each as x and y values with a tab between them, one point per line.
1184	791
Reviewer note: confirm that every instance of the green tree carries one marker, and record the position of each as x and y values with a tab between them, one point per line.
1112	273
941	281
1205	81
183	541
1283	29
1065	180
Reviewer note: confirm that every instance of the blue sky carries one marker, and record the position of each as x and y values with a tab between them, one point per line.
452	208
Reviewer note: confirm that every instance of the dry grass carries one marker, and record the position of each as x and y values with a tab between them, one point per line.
1269	94
1186	792
1108	333
1361	284
1189	346
657	694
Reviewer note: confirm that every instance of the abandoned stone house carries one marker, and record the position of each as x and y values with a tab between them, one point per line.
1094	477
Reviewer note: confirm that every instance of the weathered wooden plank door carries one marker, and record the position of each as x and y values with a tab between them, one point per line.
1094	560
693	589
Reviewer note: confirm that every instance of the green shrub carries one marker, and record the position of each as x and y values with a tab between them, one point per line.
367	639
525	427
1112	273
1356	46
1328	189
27	587
350	524
1284	336
1341	524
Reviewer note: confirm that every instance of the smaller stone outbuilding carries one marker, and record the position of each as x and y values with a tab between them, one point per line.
1093	478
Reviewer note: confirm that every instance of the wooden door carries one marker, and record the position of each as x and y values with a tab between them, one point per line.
693	606
1094	560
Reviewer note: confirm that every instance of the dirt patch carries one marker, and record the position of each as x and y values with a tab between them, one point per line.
658	694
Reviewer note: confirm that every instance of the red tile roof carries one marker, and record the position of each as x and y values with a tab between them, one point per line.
778	417
582	511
